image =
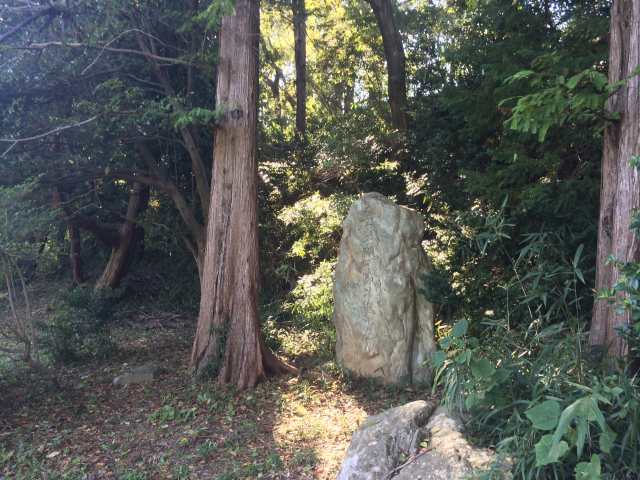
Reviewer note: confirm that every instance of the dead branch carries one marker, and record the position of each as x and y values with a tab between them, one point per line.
44	45
15	141
28	21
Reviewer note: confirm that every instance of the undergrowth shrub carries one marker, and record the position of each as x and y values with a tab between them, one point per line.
311	301
303	322
539	400
315	223
306	308
526	379
79	326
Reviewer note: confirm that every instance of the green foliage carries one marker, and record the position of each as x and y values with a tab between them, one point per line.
206	448
530	388
169	413
577	99
316	223
24	226
313	225
311	301
197	116
466	163
544	416
552	414
212	15
133	475
79	326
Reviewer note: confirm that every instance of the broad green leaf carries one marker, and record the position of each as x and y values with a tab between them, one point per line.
438	358
581	435
460	328
547	452
463	357
472	400
606	440
545	415
579	408
519	75
573	81
589	470
482	368
600	80
576	257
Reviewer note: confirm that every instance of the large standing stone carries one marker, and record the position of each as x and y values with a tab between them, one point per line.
383	323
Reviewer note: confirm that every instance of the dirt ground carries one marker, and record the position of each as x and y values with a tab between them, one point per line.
79	426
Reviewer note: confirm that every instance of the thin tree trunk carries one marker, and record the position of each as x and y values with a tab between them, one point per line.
75	253
131	236
228	340
349	93
620	190
300	41
394	54
75	240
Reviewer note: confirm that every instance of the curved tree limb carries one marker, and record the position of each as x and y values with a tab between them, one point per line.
15	141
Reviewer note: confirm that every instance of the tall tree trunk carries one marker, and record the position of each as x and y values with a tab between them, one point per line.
129	240
228	336
300	41
394	54
620	190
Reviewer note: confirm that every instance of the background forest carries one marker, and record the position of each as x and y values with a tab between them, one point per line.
107	132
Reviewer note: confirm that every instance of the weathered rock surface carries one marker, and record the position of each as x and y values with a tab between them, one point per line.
142	374
388	445
380	443
449	455
384	325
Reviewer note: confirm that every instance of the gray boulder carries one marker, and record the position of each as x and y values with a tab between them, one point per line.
414	442
384	326
383	441
449	456
143	374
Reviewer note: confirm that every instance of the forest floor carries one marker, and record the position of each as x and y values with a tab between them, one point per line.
82	427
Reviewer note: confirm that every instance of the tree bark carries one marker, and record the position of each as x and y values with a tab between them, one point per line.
228	340
300	41
129	240
620	188
75	253
394	55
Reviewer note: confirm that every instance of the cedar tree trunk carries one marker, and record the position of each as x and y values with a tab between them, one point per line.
620	190
228	340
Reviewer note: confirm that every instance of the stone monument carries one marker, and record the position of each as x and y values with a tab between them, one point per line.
384	325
